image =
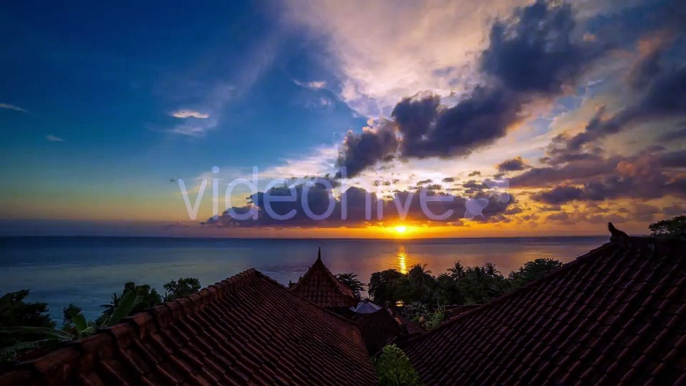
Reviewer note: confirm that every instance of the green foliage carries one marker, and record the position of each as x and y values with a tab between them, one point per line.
533	270
126	306
435	318
149	297
381	286
19	339
673	228
350	280
69	312
457	271
26	326
482	284
415	311
394	368
425	296
182	288
15	311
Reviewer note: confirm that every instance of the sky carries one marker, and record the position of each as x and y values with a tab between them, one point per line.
508	117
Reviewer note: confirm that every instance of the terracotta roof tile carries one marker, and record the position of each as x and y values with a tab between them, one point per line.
616	315
321	287
245	330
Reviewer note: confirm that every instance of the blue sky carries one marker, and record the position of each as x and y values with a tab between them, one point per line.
103	108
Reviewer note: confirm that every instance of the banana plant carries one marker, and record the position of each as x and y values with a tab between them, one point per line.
49	335
126	304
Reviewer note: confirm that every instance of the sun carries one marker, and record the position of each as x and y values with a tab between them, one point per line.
401	228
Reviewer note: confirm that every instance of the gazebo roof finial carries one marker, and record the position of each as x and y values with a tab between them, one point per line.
319	254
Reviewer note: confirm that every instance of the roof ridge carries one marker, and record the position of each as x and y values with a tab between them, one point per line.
623	242
551	275
139	320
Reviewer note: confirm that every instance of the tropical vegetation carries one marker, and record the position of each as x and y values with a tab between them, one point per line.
672	228
425	296
25	326
393	368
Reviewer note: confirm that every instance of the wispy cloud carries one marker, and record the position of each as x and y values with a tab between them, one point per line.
192	130
225	90
12	107
315	85
184	113
53	138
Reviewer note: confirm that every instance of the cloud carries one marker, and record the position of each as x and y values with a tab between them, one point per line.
386	50
362	208
536	51
364	150
513	165
560	195
676	135
661	94
189	114
430	130
189	130
532	53
573	171
314	85
12	107
212	93
52	138
644	176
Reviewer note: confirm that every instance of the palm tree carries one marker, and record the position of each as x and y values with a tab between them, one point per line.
350	280
491	270
457	272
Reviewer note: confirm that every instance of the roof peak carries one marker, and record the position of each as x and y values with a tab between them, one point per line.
316	283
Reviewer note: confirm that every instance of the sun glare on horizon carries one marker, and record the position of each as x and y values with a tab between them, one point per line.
400	229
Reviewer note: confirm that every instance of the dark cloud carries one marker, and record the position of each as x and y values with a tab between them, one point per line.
512	165
474	122
448	180
562	216
644	212
644	176
362	151
535	50
560	195
576	171
675	135
358	205
664	97
675	159
424	182
474	173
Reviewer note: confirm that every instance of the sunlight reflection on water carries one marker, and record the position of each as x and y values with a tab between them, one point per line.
402	256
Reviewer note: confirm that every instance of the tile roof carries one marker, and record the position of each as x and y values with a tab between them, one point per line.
378	330
616	315
321	287
247	329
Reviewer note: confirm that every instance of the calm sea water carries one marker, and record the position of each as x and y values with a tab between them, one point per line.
86	271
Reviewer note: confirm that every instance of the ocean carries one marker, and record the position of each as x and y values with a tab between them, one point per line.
86	271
